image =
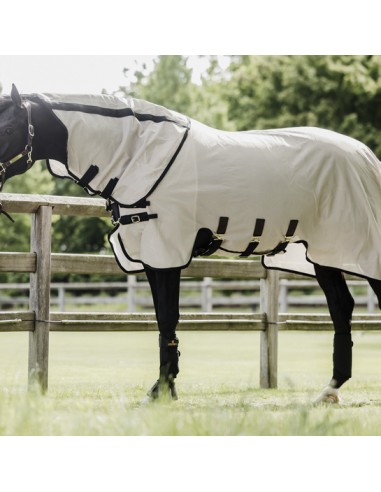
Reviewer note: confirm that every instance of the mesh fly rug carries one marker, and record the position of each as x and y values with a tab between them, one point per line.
297	196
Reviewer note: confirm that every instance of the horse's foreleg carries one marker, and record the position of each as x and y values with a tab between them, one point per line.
340	304
165	288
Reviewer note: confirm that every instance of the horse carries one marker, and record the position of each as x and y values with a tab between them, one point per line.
305	199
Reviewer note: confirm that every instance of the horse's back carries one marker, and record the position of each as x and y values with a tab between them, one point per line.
309	139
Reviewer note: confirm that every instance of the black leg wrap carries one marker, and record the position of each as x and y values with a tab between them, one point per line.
169	368
342	359
169	358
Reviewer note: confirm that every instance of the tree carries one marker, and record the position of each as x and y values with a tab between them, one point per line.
170	85
210	104
338	92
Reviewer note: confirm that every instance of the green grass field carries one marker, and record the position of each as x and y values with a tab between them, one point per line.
98	380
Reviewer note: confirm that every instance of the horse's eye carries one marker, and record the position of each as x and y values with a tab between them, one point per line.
8	131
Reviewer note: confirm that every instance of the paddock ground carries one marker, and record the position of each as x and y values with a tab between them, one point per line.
97	382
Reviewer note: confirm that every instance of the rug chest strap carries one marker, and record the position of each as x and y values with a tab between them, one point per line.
287	238
109	188
88	176
135	218
258	230
117	218
217	238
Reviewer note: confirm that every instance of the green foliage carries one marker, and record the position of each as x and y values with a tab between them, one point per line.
78	234
338	92
170	85
16	237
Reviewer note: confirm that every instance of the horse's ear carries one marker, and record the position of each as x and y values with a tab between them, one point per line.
15	95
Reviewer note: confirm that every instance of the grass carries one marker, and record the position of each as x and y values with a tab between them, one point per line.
97	382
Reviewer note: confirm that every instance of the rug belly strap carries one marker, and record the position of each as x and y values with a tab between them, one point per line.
253	244
287	238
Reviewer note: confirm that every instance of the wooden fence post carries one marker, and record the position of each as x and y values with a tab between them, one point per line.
40	242
269	337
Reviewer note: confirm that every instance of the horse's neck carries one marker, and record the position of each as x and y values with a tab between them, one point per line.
50	138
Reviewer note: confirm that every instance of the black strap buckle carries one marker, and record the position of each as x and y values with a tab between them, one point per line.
287	238
118	219
136	218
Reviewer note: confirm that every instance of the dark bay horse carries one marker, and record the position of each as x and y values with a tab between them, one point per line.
128	152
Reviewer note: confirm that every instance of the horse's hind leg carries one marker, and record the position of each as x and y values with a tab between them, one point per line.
165	287
340	304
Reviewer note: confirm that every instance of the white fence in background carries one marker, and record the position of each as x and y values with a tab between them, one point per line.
207	295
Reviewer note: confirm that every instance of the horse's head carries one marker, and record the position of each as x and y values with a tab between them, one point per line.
16	136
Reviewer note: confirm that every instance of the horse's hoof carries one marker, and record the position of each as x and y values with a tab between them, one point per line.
329	395
161	391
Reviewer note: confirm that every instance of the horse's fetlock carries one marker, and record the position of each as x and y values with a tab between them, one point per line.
164	389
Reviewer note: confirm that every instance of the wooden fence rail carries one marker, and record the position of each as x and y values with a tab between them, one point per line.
41	263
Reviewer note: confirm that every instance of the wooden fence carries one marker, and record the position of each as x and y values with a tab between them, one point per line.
40	263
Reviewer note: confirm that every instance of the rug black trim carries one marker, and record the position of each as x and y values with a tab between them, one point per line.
112	112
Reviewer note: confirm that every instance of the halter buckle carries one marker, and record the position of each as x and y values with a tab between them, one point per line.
28	151
255	239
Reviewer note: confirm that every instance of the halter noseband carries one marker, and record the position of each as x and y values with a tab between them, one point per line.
28	147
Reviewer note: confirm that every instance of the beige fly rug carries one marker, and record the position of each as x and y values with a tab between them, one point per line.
296	196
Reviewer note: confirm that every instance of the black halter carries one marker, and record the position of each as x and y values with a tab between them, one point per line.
27	151
28	147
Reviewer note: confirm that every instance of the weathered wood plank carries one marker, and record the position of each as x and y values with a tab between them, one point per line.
18	262
326	317
58	316
238	269
216	268
147	322
146	325
361	325
86	264
20	203
16	321
40	297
